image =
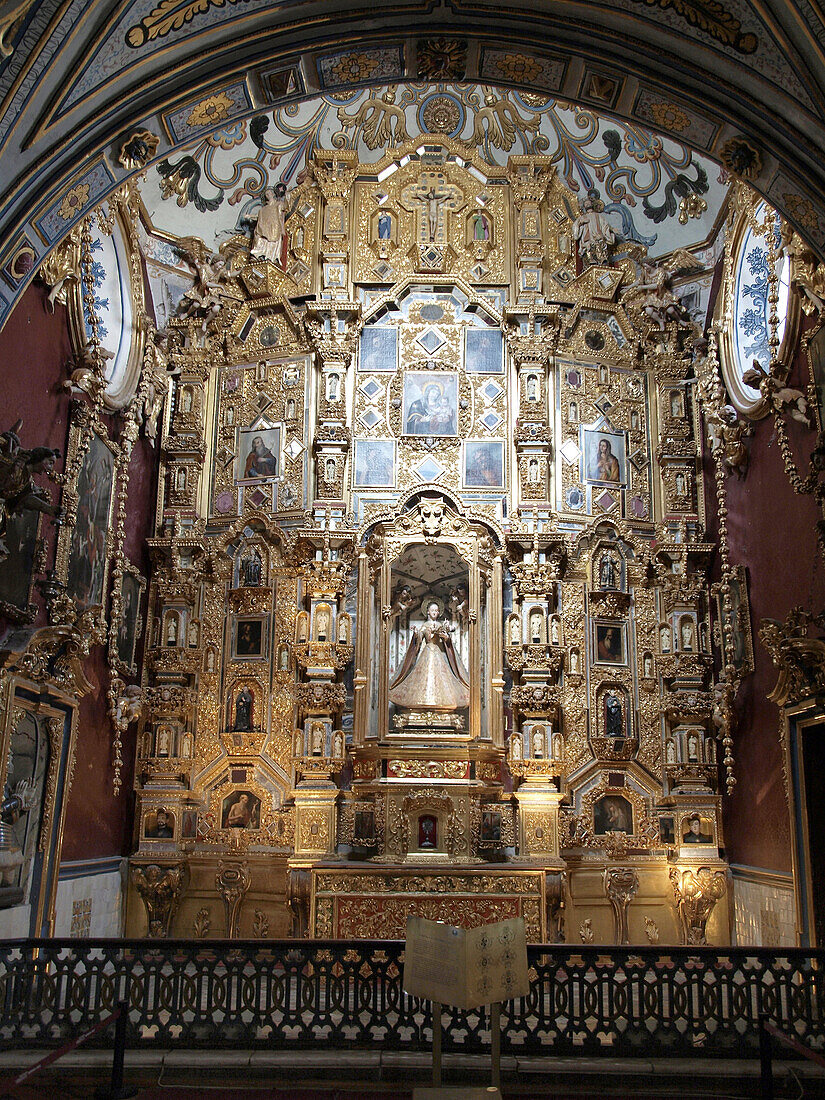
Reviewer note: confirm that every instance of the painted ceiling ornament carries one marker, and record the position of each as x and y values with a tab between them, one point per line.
741	158
499	122
442	58
138	149
691	206
592	231
378	122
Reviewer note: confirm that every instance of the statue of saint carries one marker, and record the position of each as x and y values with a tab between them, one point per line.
613	717
269	240
243	711
432	676
252	569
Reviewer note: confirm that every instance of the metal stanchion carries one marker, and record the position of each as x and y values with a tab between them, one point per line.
766	1070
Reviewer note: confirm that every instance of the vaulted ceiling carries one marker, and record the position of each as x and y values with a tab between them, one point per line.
741	82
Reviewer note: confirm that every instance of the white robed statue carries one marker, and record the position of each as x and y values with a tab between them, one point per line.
432	676
269	240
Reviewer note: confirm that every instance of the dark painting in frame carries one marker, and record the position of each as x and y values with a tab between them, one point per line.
17	568
88	557
128	629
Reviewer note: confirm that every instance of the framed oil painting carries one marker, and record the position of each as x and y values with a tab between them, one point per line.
484	350
612	814
604	457
374	463
483	464
241	810
249	639
379	348
430	404
87	561
17	568
609	643
257	454
125	633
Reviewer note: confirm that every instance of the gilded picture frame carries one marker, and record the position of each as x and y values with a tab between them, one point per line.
84	542
125	634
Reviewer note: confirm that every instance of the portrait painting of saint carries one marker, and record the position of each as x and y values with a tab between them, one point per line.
612	814
257	454
484	350
379	348
241	810
604	457
375	463
87	549
430	403
609	643
483	464
249	639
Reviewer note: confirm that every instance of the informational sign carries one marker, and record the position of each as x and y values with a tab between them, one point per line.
466	967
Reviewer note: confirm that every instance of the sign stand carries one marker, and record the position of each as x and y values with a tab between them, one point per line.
436	1011
467	968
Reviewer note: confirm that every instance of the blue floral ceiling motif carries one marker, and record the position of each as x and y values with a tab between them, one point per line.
211	188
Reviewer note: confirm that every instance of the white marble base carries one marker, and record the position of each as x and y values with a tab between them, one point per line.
90	899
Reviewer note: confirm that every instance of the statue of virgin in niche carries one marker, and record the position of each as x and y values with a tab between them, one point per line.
432	676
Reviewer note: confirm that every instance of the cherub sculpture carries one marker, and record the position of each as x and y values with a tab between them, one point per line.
728	433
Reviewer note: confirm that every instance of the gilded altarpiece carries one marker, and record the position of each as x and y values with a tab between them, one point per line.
429	618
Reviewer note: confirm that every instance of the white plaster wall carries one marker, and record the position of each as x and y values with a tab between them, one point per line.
90	899
764	912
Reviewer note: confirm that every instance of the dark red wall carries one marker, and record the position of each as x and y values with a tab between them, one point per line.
771	531
34	350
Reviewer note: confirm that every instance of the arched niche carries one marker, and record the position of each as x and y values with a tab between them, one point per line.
428	666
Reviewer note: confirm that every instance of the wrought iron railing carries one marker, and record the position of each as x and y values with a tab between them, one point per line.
300	993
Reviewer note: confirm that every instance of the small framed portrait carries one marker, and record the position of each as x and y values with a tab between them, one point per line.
363	828
379	348
430	405
490	827
249	638
188	824
125	633
697	829
241	810
609	643
604	457
159	825
258	454
612	814
483	350
374	463
667	831
483	464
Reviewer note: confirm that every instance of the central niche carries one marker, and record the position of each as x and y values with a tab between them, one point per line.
429	640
